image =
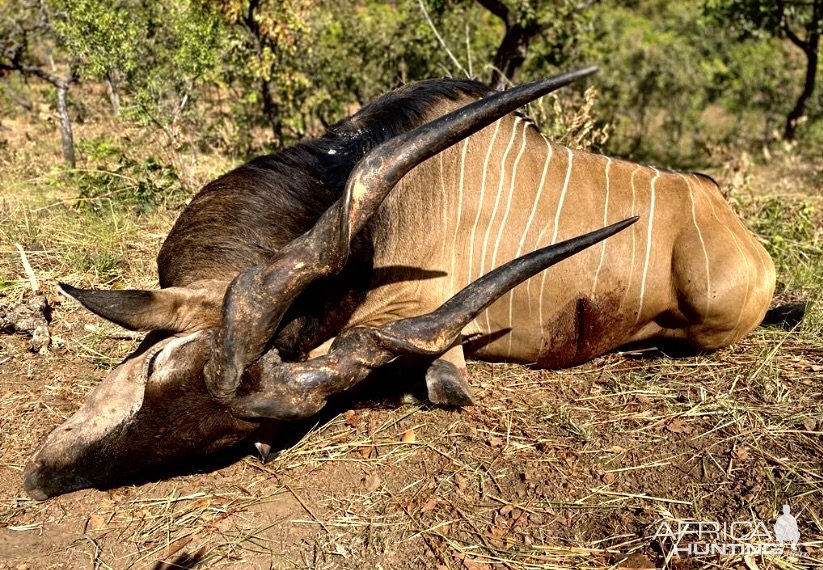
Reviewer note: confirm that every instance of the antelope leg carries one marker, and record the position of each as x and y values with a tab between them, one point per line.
447	379
294	390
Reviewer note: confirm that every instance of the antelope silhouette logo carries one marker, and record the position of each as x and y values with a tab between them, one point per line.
785	528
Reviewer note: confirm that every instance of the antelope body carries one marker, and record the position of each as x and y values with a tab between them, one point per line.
688	270
275	294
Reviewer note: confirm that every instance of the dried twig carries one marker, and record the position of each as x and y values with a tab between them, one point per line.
35	286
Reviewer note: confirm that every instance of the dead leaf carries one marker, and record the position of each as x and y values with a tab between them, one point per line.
371	482
351	419
429	505
96	523
678	426
203	503
365	452
408	436
809	424
177	546
496	441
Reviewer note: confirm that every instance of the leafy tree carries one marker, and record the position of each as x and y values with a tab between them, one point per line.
556	22
31	44
156	51
800	21
269	40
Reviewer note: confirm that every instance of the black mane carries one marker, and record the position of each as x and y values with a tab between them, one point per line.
245	216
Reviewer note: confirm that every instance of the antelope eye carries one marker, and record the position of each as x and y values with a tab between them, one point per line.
151	359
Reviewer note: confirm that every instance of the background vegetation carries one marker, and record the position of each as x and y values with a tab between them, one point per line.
678	81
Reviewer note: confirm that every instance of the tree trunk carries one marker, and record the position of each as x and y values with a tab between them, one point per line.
113	87
515	44
511	54
810	48
808	87
272	113
66	136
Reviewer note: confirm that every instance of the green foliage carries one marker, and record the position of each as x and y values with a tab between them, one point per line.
801	23
238	75
568	31
653	104
763	17
119	179
158	50
103	35
789	229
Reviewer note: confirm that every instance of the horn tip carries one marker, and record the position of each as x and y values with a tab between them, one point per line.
623	224
588	70
68	290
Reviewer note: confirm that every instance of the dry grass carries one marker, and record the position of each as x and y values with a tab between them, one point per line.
561	469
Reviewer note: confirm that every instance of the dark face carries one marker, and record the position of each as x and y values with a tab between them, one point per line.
151	410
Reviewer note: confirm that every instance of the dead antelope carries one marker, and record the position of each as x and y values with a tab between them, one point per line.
404	230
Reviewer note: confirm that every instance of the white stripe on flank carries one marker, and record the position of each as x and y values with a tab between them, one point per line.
702	245
634	238
562	198
554	235
549	153
502	227
480	203
605	223
500	183
443	206
648	247
490	220
454	252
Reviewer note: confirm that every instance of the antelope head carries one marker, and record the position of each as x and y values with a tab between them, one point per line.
205	377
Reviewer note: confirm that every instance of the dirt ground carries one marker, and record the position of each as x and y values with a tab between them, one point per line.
551	469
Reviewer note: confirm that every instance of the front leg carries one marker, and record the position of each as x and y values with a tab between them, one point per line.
447	379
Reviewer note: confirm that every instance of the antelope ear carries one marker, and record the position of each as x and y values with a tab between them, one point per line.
175	309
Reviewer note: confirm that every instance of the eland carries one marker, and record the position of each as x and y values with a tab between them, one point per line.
418	227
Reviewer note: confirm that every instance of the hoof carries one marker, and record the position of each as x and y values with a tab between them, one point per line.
447	385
